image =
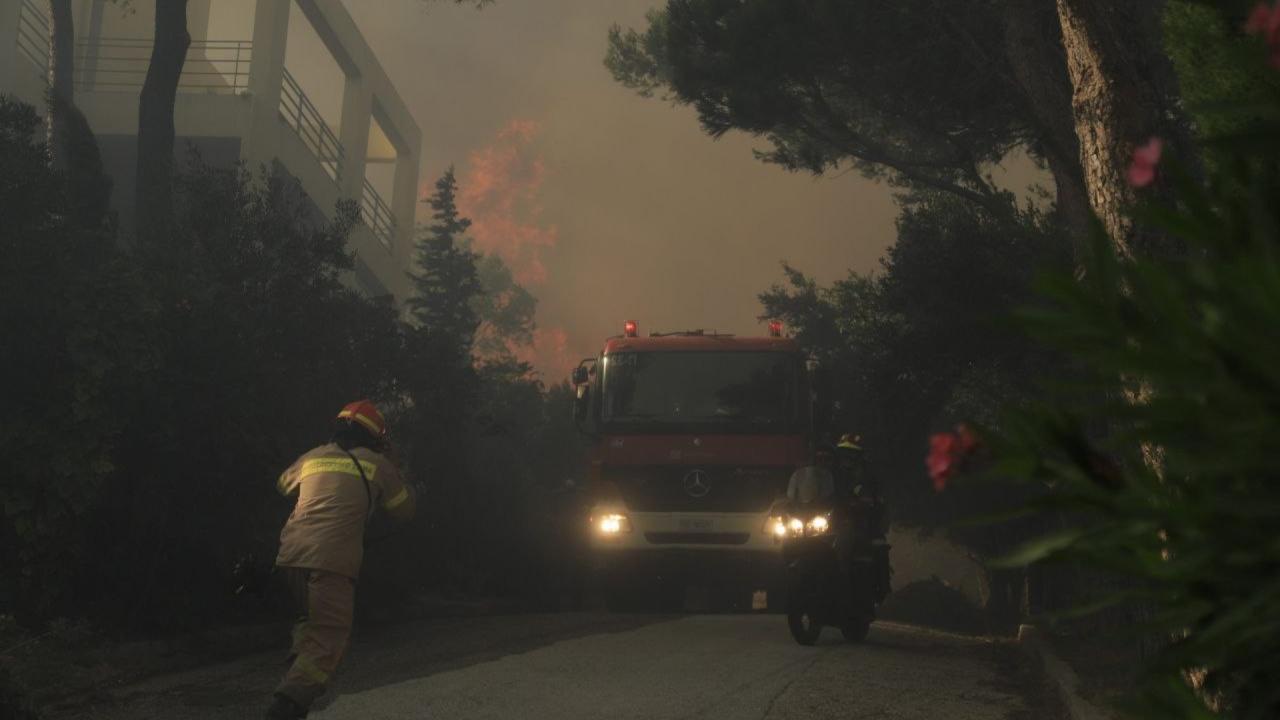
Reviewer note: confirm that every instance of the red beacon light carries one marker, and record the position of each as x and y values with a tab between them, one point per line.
630	329
775	328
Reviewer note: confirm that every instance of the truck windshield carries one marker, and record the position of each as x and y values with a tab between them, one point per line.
730	390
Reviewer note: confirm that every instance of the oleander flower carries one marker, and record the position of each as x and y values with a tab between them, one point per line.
947	453
1265	23
1142	169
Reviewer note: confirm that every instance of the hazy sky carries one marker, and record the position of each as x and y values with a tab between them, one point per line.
610	206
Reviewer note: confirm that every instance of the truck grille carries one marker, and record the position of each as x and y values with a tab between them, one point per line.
696	538
665	488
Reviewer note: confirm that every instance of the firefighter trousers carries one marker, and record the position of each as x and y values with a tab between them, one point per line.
326	604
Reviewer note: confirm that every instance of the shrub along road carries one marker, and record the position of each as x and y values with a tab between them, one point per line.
583	665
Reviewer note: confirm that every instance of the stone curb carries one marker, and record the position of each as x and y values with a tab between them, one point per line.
1061	677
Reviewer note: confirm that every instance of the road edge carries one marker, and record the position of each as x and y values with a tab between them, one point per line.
1061	677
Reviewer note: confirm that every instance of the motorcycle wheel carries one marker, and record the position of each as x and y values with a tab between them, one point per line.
804	626
855	631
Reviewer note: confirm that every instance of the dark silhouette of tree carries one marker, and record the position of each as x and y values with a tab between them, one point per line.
154	197
73	148
903	91
78	330
926	342
919	93
446	283
505	309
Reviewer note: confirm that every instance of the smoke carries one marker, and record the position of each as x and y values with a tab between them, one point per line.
549	353
499	190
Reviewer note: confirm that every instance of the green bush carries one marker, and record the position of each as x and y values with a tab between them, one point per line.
77	343
927	341
154	392
1171	469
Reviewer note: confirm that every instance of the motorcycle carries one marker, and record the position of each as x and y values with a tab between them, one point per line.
820	592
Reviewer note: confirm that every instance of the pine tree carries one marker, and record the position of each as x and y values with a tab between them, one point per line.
446	282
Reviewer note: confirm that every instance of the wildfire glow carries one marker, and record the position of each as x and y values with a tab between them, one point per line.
549	353
500	191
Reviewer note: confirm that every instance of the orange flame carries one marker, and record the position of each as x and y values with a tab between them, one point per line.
500	191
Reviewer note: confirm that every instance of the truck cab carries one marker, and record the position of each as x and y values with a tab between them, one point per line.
695	436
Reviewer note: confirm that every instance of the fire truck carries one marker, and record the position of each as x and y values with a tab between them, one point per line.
694	438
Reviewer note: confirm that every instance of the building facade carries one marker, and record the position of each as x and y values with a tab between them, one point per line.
239	100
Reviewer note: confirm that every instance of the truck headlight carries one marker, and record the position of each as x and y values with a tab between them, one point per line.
781	527
777	527
612	524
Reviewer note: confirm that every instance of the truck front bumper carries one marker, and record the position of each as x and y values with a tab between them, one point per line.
757	569
690	548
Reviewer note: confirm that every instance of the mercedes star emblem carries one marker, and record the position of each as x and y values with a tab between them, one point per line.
696	484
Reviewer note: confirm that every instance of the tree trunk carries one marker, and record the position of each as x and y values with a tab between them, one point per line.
154	199
1033	45
62	53
1124	92
73	148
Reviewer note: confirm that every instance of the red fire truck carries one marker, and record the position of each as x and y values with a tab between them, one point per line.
695	435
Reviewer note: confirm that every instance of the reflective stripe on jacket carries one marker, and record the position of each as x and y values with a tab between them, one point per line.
326	529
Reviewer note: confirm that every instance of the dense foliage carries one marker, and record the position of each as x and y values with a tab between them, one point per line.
832	83
159	389
926	342
446	282
474	421
77	346
1163	446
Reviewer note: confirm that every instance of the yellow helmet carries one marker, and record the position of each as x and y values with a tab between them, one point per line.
849	441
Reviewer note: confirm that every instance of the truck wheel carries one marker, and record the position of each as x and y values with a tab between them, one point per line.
804	625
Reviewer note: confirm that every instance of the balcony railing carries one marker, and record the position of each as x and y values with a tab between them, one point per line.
33	35
298	111
212	66
377	215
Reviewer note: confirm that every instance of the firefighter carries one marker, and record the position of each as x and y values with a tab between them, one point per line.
863	493
338	486
812	483
851	468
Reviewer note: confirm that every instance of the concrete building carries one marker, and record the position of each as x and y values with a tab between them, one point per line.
239	98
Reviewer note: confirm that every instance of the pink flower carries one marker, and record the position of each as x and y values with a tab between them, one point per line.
941	461
1265	22
1142	170
947	452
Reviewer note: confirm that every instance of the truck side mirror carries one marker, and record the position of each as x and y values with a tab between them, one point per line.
580	375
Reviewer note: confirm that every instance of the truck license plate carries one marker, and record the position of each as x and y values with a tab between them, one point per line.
696	524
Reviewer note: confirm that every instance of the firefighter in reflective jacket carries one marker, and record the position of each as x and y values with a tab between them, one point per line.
338	486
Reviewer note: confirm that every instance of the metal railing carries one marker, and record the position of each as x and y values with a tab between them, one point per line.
377	215
298	111
212	66
33	35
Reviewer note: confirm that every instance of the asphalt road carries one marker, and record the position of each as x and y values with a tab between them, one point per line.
593	665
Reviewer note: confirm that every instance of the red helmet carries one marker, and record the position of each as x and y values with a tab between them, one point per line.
365	413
